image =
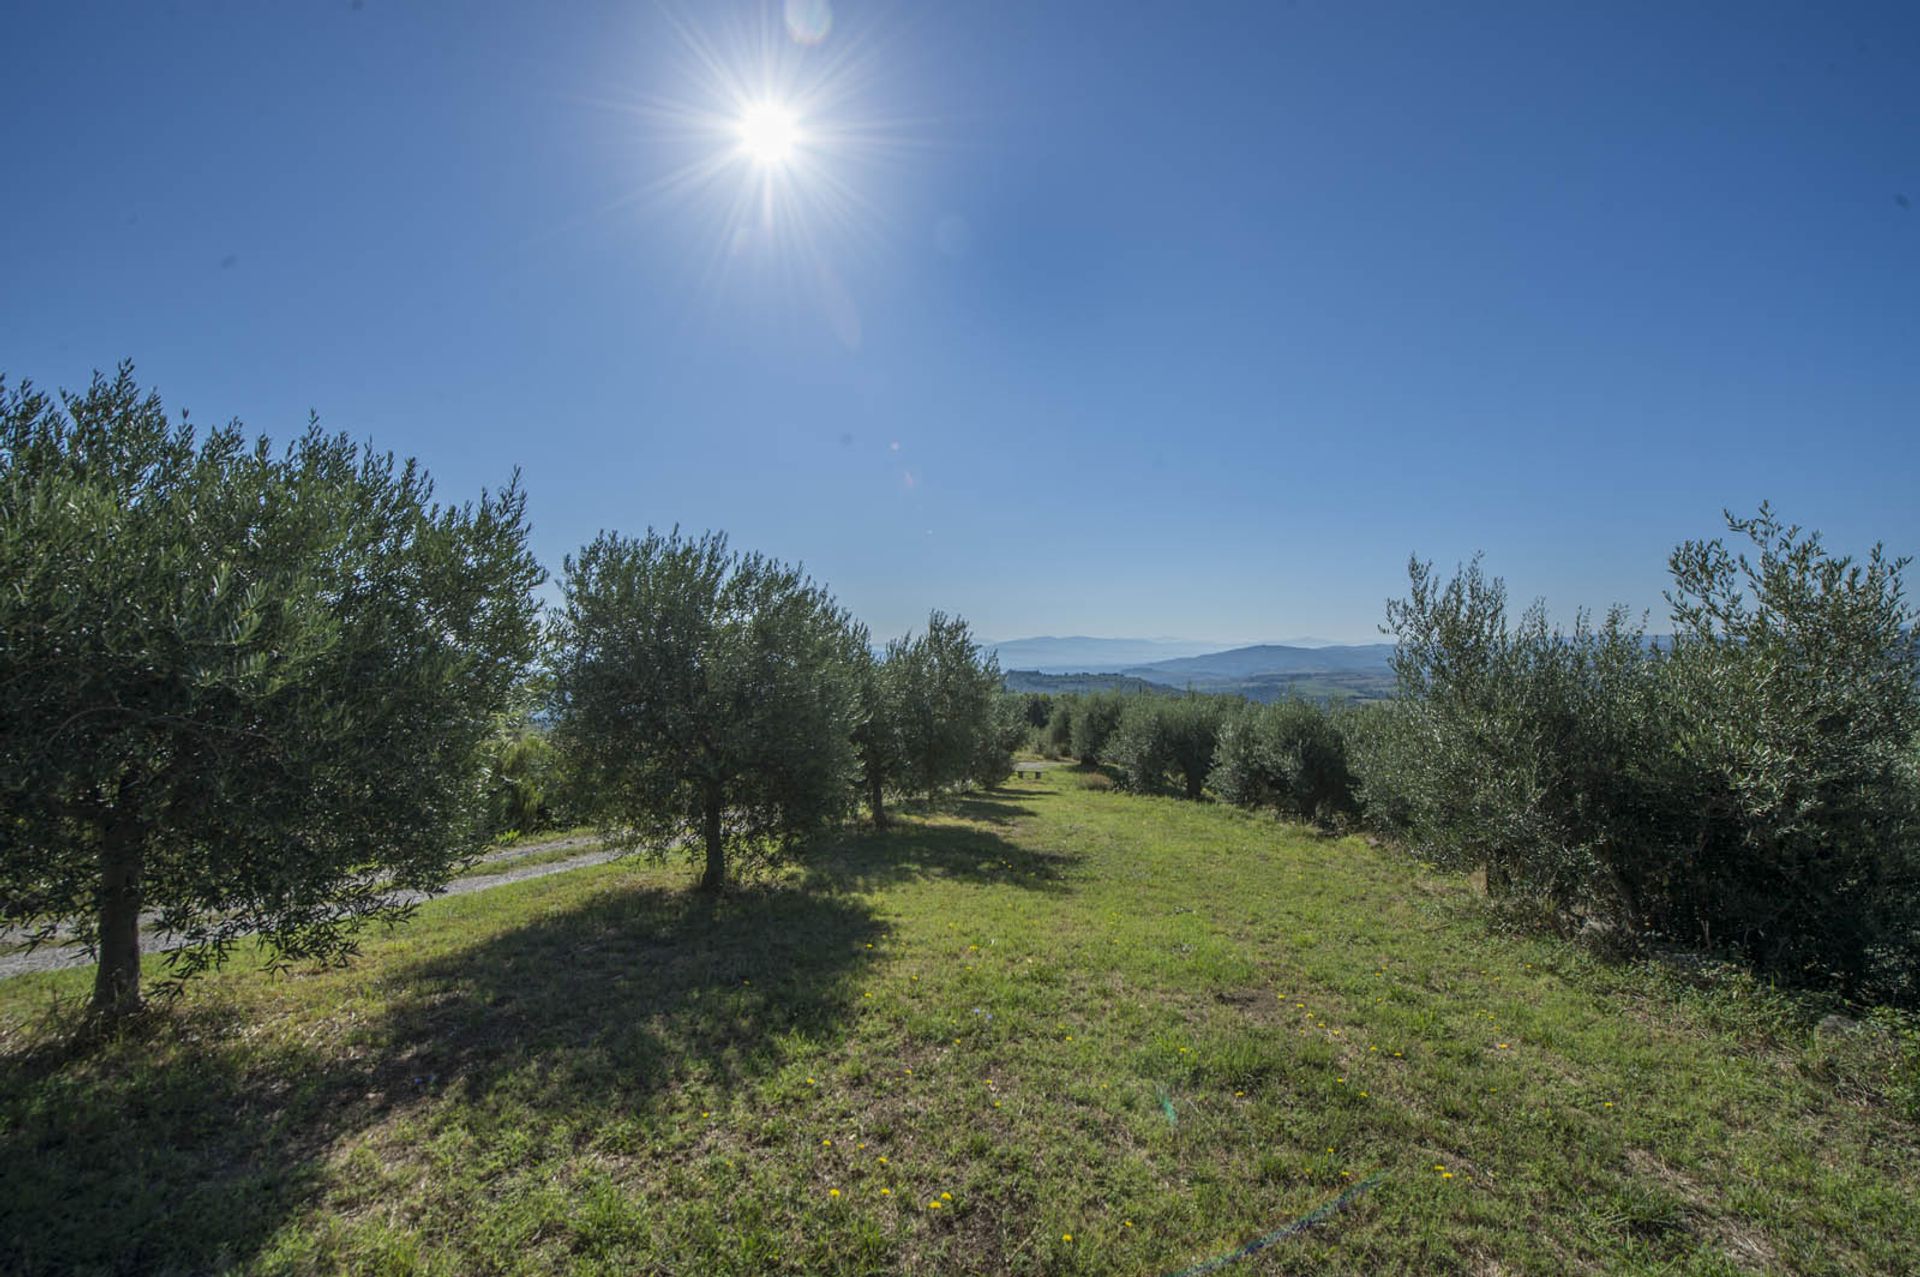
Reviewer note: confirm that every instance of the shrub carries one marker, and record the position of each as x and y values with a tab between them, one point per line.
1094	720
1004	731
1056	739
1289	755
526	785
1165	746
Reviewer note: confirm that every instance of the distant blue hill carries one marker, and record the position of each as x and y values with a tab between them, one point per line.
1265	660
1082	655
1262	672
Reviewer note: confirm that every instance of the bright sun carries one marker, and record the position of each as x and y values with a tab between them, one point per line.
768	133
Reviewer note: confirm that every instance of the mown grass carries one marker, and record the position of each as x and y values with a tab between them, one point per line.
1104	1034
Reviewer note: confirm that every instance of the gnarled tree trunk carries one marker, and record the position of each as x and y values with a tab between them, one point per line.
876	800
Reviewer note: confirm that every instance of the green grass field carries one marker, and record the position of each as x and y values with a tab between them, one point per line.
1050	1030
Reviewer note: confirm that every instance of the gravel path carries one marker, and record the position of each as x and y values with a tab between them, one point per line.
55	956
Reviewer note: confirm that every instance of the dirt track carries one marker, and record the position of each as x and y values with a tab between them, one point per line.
55	956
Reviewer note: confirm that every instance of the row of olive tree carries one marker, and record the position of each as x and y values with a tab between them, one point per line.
724	702
1749	784
1290	756
281	692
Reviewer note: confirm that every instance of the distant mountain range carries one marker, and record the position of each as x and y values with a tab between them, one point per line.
1264	671
1080	655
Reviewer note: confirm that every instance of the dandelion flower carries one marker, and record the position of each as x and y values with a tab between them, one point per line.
833	1192
826	1143
1066	1237
1446	1174
933	1205
946	1197
886	1192
883	1161
1126	1223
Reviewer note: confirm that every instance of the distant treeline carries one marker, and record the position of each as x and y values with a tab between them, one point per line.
1352	686
1749	784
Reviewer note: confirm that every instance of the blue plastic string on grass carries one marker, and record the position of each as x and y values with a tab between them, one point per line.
1319	1214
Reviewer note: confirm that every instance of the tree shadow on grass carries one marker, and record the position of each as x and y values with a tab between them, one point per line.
185	1145
988	807
903	852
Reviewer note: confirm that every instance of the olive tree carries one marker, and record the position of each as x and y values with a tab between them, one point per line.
1166	745
1748	784
1057	738
876	733
241	690
948	704
1290	755
1005	730
1793	706
1095	718
703	697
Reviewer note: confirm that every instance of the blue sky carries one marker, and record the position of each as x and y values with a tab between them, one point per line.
1074	318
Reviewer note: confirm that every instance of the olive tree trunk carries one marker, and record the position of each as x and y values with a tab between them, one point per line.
116	986
716	875
876	800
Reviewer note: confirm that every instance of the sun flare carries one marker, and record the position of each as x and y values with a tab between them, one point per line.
769	133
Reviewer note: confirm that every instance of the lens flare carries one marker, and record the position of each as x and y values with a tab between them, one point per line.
808	21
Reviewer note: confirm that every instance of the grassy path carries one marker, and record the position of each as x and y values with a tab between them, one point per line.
1055	1030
